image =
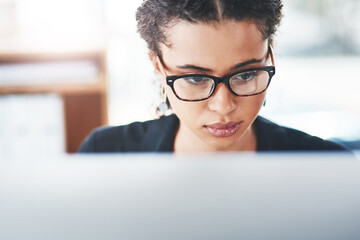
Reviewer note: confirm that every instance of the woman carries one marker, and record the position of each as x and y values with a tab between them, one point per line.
215	62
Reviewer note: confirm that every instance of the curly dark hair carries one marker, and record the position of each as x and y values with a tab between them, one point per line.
154	17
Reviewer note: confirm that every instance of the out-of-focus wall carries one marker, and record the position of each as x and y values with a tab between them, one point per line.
317	82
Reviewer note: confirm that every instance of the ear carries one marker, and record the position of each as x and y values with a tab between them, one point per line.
155	61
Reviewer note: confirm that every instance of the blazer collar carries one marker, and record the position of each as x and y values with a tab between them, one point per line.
160	135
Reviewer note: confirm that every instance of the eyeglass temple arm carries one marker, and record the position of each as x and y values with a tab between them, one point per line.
161	66
271	55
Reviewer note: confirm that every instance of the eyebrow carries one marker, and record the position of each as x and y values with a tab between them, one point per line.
251	61
194	67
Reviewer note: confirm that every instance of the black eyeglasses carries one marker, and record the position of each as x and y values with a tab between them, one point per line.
199	87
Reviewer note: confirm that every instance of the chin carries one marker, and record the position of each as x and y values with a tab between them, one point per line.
222	145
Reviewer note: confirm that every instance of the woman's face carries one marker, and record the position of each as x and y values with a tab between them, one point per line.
224	121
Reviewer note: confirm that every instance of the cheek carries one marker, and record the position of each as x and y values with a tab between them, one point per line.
175	103
252	105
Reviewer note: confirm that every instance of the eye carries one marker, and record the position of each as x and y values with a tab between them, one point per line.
196	80
246	76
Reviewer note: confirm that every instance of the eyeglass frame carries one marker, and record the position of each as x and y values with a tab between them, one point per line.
217	80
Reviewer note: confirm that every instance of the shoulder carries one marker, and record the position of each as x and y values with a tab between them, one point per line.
271	136
134	137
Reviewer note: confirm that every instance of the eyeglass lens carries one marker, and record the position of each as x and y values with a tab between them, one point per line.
200	87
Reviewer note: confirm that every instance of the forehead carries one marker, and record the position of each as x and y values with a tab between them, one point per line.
208	44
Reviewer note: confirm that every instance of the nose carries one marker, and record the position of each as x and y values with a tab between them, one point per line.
222	101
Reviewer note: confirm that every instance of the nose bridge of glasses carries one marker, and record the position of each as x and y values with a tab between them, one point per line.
222	99
222	80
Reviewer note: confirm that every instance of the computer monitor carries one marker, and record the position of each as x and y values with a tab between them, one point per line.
162	196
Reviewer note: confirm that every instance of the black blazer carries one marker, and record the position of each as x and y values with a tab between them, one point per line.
159	135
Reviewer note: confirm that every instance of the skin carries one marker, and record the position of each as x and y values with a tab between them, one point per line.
217	48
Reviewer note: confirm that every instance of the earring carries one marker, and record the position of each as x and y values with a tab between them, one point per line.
163	107
264	104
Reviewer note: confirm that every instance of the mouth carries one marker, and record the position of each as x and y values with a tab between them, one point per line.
223	130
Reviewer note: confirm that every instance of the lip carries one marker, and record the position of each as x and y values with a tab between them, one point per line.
222	130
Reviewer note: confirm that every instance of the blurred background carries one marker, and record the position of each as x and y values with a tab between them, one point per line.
69	66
